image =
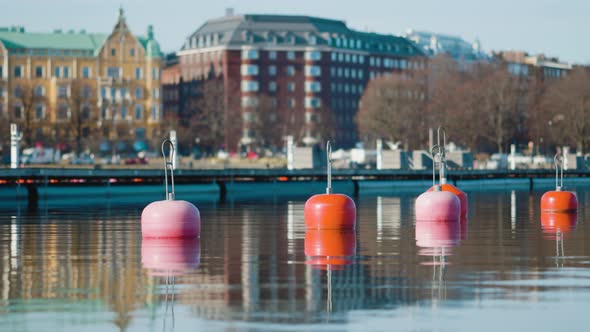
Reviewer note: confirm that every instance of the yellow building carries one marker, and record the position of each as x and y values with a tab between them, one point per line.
71	87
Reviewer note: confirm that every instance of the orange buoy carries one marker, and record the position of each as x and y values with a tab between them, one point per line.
559	200
329	247
552	222
330	211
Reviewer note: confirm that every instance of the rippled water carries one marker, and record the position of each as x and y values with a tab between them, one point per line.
88	269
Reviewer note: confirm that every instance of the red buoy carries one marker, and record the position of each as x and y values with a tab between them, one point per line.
559	200
330	211
333	248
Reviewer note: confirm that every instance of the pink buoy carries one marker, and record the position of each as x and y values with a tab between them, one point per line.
437	205
170	257
170	218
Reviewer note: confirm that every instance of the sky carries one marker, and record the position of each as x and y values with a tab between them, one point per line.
557	28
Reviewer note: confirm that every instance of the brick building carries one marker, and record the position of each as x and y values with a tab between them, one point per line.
304	65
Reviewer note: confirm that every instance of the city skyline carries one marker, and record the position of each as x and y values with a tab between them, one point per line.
549	27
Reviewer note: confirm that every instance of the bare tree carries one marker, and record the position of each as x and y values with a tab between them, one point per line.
82	119
29	96
393	107
567	104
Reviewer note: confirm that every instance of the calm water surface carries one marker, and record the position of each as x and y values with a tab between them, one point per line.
256	268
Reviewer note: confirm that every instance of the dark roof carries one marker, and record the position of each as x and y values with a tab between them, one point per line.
293	30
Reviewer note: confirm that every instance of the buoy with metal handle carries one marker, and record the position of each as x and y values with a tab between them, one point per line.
330	211
170	218
444	186
559	200
437	205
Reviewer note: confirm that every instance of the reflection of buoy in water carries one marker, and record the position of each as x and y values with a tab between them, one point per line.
437	205
464	224
330	211
433	234
170	218
443	179
170	257
333	248
552	223
559	200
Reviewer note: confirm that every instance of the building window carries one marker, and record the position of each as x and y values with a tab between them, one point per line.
249	70
313	55
62	91
56	72
272	70
18	92
249	86
113	72
18	71
138	112
312	102
291	70
103	92
86	92
132	52
312	40
38	71
113	93
1	72
272	55
291	86
291	103
248	101
138	73
62	112
250	54
85	112
138	93
290	55
113	52
155	93
39	111
272	86
85	72
314	71
313	87
155	73
123	112
39	91
66	72
155	112
18	111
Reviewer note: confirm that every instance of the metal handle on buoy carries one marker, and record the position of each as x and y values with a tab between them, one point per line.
432	155
329	160
168	165
557	166
443	178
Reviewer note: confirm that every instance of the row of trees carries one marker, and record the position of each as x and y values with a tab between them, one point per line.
483	106
78	123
